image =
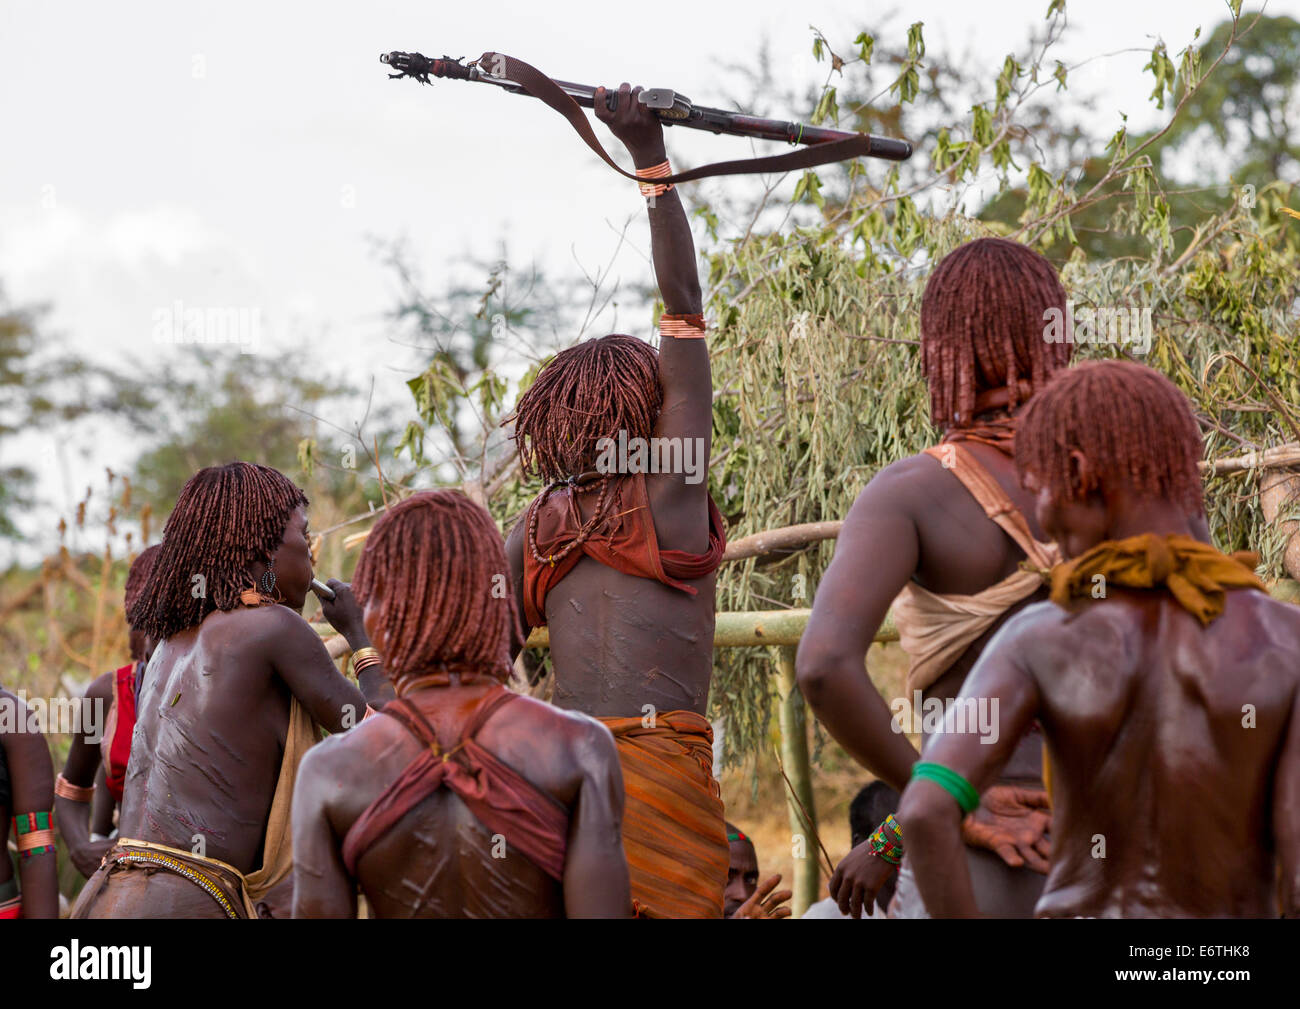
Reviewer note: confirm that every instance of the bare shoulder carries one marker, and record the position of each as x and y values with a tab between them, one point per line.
898	485
515	537
587	736
1047	640
101	687
1269	627
257	628
332	752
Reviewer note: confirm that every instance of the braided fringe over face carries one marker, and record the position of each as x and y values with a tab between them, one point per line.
982	326
435	566
1132	424
139	573
589	391
226	518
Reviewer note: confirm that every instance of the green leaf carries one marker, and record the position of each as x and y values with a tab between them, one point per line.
915	43
307	455
866	46
827	108
1162	68
412	441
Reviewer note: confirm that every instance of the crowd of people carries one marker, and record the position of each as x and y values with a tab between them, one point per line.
1121	701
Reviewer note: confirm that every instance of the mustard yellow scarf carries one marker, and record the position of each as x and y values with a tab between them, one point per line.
1194	573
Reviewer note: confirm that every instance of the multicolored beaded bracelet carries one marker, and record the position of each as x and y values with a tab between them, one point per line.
33	834
887	841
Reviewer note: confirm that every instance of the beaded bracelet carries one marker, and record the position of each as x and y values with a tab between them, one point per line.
887	841
33	834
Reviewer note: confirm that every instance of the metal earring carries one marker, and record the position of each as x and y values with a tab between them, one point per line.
267	581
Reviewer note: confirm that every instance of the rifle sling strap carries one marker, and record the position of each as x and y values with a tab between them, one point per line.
541	87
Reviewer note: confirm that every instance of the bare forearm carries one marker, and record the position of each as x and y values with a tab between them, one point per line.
596	885
40	886
375	686
671	242
932	829
674	256
73	819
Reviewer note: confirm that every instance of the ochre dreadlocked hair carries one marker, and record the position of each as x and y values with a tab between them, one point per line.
436	567
1132	424
589	391
226	518
138	574
983	327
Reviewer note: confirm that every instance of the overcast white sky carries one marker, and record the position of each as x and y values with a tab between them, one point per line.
244	154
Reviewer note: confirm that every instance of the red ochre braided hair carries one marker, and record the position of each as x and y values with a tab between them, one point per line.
1132	424
226	518
138	574
435	566
589	391
983	327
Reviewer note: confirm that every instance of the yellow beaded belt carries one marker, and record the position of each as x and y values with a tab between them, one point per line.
202	881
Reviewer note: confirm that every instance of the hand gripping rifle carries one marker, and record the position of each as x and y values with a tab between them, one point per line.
517	77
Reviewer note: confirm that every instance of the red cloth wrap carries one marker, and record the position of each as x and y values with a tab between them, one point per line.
121	725
625	541
504	801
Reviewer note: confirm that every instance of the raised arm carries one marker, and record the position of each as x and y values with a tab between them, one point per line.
930	816
595	869
683	362
875	556
31	776
83	761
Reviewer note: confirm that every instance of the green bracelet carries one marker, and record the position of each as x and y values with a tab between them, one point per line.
951	782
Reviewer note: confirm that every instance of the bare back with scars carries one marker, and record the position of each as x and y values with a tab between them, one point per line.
214	716
1177	747
439	861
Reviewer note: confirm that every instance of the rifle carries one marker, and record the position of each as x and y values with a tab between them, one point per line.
672	108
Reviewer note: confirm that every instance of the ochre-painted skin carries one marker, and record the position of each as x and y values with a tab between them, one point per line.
31	780
915	521
439	861
1143	711
214	714
620	642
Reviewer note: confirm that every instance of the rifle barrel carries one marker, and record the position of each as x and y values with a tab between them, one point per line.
697	117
